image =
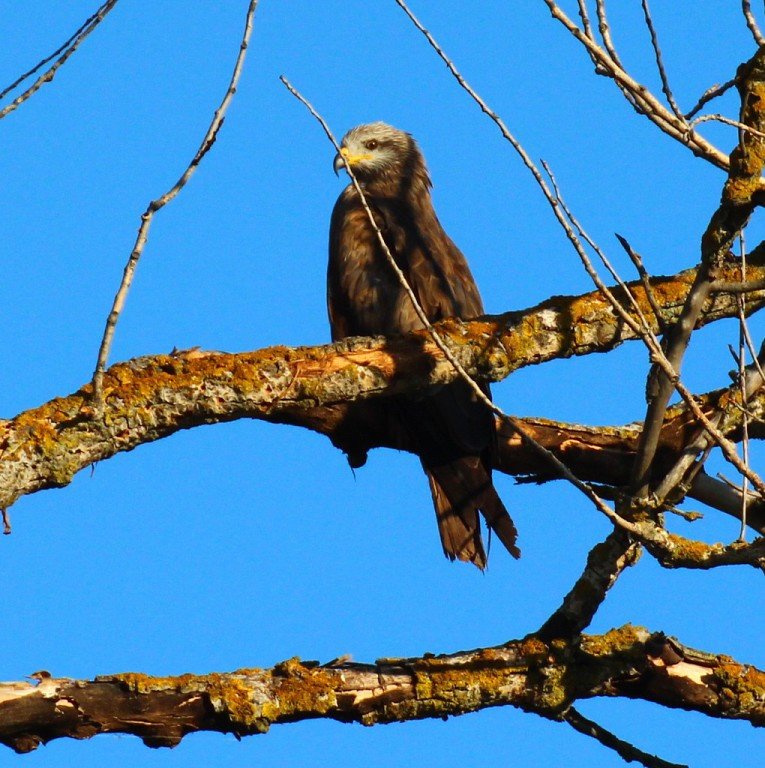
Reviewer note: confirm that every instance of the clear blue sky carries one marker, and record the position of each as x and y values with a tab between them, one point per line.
247	543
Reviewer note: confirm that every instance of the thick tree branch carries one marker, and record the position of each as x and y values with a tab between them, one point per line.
605	563
150	398
529	674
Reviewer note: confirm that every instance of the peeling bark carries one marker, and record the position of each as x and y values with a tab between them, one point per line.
541	677
150	398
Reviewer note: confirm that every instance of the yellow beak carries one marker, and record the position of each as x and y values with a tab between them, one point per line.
347	158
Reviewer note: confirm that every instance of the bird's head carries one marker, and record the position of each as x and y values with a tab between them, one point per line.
377	151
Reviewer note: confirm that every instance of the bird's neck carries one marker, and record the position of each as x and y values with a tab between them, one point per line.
410	191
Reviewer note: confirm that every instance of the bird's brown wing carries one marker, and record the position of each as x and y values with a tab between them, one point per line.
452	430
362	289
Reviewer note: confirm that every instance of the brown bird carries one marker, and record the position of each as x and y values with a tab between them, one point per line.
452	430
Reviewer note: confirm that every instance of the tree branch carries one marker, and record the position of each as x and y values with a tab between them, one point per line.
529	674
152	397
741	194
66	50
160	202
605	563
640	97
625	750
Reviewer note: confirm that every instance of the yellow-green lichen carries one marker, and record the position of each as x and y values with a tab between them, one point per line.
231	695
623	640
302	689
741	689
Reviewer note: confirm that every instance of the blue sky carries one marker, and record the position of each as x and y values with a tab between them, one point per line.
247	543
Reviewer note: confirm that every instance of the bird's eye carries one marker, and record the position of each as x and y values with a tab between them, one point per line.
371	144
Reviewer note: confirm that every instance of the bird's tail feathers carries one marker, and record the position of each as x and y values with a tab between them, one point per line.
461	489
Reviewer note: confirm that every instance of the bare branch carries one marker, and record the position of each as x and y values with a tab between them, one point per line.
68	48
636	259
742	381
155	205
727	121
751	22
584	15
605	32
665	87
720	496
639	96
711	93
545	679
641	328
605	563
628	752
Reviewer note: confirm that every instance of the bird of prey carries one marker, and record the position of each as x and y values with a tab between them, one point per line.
451	430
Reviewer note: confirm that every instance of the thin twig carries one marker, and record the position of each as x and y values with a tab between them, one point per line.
645	279
660	61
68	48
742	334
584	15
751	22
689	515
52	56
549	194
644	327
605	32
711	93
160	202
641	97
756	357
728	121
628	752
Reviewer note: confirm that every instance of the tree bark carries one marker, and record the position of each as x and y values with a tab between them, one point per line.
150	398
541	677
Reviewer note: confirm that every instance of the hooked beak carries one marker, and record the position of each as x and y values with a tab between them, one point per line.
346	159
339	162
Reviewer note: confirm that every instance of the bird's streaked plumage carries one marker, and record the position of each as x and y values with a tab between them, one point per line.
452	430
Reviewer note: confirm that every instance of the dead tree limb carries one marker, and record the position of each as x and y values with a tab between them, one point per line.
541	677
